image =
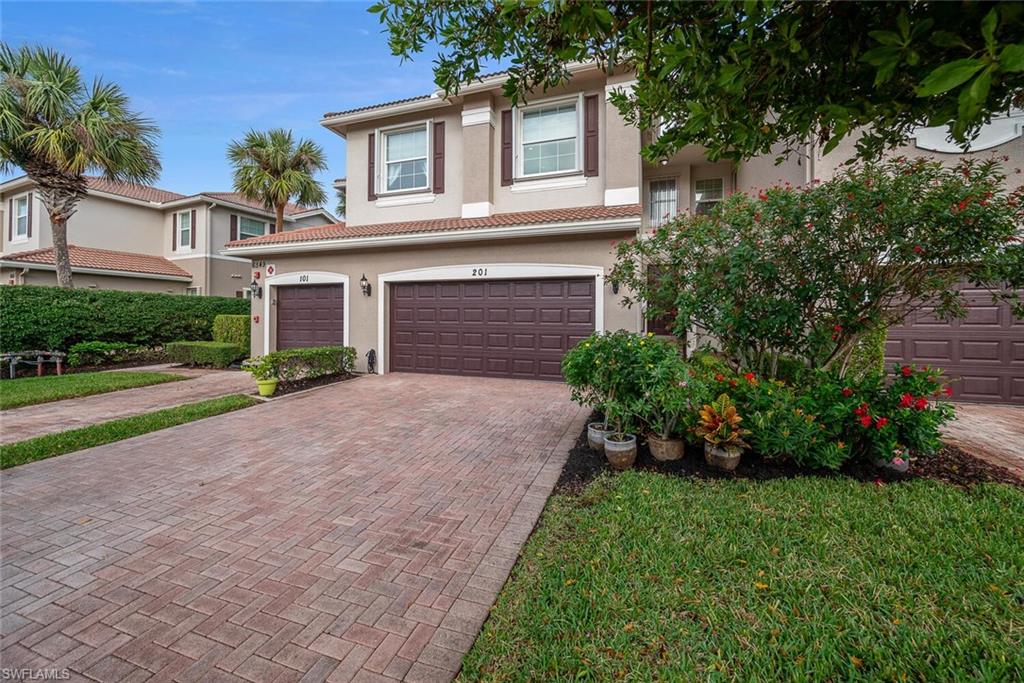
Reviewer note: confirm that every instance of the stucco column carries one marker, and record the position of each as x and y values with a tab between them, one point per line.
478	124
622	153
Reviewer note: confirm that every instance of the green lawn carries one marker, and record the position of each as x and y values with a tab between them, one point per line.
50	445
27	391
652	577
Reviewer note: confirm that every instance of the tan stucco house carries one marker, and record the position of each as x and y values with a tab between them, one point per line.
478	235
136	237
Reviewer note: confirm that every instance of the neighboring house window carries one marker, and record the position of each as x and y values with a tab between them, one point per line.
405	159
548	139
185	229
21	217
243	294
250	227
707	193
660	325
664	201
193	291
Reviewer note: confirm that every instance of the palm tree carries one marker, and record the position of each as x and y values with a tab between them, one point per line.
272	168
56	128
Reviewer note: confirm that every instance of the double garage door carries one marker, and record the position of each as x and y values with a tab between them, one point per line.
495	328
983	353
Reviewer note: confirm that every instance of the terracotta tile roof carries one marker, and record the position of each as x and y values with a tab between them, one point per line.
145	193
332	114
236	198
103	259
499	220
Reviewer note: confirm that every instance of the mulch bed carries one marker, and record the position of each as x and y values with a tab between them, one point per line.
950	465
284	388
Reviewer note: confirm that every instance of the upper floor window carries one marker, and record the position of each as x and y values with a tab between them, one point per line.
549	138
21	217
405	159
185	229
707	193
664	201
250	227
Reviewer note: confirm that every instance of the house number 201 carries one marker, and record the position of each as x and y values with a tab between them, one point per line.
479	272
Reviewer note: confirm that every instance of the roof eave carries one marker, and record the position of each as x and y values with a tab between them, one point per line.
96	271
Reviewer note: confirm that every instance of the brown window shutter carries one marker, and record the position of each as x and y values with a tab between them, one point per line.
590	138
29	227
371	172
439	157
272	225
234	227
506	147
192	232
10	220
174	231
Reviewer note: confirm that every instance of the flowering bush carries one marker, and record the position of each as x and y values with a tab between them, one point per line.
806	273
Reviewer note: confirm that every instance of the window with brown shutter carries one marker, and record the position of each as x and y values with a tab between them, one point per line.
590	137
28	227
10	220
506	147
371	162
194	229
174	231
234	227
438	169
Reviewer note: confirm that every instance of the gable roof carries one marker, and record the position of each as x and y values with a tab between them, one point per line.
340	231
87	258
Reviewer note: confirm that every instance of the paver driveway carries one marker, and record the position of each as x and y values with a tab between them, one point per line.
359	531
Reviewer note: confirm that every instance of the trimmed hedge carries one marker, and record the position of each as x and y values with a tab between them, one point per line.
54	318
232	329
294	364
110	353
205	353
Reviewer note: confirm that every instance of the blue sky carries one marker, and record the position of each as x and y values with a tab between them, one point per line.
208	71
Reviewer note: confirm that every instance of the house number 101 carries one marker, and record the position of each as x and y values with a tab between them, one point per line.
479	272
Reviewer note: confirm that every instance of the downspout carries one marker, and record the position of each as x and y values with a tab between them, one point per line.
208	261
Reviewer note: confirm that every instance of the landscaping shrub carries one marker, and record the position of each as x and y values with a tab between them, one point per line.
291	365
110	353
205	353
232	329
54	318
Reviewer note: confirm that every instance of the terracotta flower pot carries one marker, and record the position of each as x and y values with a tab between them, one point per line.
665	449
724	458
620	450
595	435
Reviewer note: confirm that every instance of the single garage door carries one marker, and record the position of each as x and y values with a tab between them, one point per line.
983	353
496	328
310	315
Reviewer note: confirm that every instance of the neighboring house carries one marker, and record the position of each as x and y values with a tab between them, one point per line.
137	237
478	235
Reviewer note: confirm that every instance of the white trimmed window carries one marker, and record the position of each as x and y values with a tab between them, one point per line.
707	193
549	138
250	227
193	291
664	201
185	229
21	217
404	153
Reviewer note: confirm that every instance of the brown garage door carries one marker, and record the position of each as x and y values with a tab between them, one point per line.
310	315
983	353
499	328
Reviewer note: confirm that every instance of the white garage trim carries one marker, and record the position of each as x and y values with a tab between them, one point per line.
303	277
484	271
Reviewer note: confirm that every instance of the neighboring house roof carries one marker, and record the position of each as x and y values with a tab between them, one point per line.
379	105
236	198
339	231
87	258
144	193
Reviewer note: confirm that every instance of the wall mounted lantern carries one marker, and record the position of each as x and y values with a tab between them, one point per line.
364	285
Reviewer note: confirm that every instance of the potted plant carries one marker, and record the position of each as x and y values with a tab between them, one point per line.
669	399
264	371
619	444
719	426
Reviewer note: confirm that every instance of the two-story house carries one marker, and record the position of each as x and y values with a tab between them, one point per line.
479	234
136	237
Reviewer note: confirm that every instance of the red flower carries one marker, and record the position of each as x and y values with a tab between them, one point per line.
881	422
948	391
749	376
762	196
918	249
906	400
861	410
719	377
847	392
733	383
837	328
866	420
921	403
907	371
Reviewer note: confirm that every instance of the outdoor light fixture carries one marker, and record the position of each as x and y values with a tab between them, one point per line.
664	162
255	289
615	288
364	285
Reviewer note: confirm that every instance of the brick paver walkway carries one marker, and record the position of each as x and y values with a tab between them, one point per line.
991	432
361	531
59	416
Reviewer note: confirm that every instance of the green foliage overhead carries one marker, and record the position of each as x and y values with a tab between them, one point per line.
51	318
741	77
272	168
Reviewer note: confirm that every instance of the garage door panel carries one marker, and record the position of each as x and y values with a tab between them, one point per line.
514	328
310	315
982	316
980	351
934	350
